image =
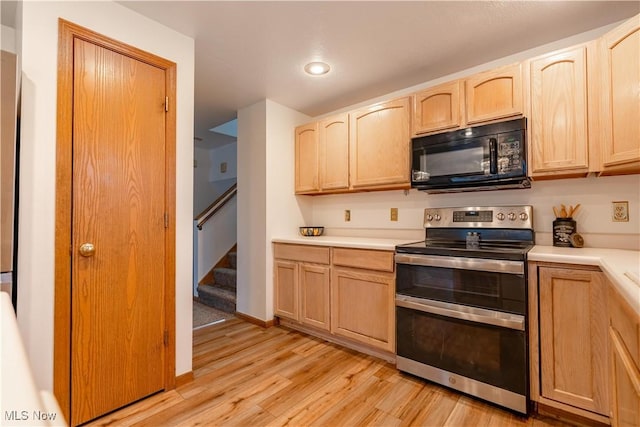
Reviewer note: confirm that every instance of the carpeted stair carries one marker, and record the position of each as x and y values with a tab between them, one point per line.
221	293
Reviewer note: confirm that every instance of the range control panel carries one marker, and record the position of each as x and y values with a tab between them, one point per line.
481	217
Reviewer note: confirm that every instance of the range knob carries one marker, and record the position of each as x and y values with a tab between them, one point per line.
437	217
524	216
511	216
429	217
500	216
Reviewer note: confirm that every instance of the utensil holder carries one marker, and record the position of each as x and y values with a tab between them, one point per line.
562	229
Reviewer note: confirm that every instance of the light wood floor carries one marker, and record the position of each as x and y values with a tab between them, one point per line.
249	376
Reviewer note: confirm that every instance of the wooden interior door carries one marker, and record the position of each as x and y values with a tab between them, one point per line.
118	332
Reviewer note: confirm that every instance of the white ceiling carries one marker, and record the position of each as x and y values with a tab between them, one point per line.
246	51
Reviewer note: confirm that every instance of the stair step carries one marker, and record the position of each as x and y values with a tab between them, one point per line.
219	297
225	277
233	259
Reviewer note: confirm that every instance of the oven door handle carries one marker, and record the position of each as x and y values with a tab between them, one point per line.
462	312
477	264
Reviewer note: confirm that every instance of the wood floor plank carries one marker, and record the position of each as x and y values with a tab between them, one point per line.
228	409
140	410
318	406
245	375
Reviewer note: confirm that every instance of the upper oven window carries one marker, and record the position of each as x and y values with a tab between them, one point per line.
498	291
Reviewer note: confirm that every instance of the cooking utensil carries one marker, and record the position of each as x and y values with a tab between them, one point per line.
563	211
573	209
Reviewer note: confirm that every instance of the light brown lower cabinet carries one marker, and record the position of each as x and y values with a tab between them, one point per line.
625	385
624	357
363	306
568	328
301	284
343	294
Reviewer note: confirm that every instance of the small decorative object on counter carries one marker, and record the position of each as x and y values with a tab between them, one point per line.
576	240
564	227
311	231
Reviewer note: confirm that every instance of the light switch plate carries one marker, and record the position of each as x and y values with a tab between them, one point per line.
394	214
347	215
620	211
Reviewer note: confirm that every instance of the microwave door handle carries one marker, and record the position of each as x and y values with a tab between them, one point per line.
493	156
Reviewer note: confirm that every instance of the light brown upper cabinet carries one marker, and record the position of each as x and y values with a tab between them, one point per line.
439	108
620	96
380	145
334	153
559	121
494	95
486	97
307	155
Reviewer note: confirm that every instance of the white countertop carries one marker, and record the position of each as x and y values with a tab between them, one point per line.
622	267
345	242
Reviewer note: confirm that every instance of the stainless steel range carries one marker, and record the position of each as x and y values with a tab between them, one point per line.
461	302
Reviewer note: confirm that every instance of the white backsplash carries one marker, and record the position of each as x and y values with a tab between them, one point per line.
370	212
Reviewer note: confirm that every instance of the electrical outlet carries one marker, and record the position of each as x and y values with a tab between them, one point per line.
620	211
394	214
347	215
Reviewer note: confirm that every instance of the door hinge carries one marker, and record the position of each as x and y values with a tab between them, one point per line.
166	103
166	338
166	220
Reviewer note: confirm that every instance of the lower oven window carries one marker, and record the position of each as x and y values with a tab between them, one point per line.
486	353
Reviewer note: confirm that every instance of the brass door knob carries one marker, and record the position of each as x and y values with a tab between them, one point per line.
87	249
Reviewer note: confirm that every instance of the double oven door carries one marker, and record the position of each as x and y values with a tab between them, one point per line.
461	323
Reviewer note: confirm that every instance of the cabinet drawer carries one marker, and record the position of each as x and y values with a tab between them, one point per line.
626	322
364	258
304	253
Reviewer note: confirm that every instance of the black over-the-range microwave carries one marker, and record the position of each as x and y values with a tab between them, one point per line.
488	157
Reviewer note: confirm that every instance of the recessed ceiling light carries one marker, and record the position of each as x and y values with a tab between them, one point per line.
317	68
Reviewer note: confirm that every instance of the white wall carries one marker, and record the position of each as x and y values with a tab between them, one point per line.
267	206
252	205
8	37
201	170
38	165
209	182
370	211
229	154
217	236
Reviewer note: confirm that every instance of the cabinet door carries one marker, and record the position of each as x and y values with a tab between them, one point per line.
314	295
438	108
559	133
286	289
307	159
494	94
620	56
334	149
573	338
380	145
363	307
625	385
